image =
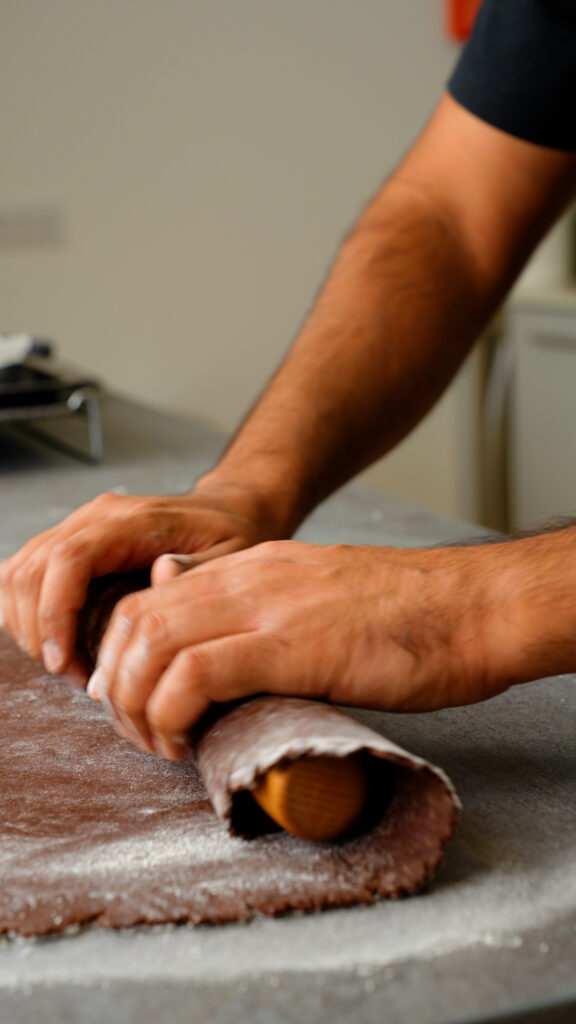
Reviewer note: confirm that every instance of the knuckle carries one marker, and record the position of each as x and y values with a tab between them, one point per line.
268	548
161	717
152	627
142	504
46	619
23	577
7	574
69	550
105	499
158	718
270	552
192	671
6	570
128	608
195	665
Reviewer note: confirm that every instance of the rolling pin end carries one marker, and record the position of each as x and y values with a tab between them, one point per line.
315	798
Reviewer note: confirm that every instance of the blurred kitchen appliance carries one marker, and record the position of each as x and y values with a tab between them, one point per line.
54	401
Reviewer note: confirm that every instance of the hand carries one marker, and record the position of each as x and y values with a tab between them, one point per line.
43	585
402	630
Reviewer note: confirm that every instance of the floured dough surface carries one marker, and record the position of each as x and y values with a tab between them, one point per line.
91	829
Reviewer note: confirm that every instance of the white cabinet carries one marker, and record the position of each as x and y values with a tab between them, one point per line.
539	361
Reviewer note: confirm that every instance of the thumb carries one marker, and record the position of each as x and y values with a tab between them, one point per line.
168	567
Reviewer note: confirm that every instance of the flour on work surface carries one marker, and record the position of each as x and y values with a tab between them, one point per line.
510	868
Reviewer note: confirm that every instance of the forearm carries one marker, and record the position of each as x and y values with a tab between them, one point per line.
396	316
414	283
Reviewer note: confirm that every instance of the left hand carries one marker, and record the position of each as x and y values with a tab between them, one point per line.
395	629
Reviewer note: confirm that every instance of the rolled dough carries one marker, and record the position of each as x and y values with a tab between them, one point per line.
93	830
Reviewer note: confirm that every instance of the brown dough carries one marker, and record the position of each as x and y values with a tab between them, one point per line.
104	592
92	829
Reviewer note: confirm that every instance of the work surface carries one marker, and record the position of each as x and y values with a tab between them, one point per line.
497	929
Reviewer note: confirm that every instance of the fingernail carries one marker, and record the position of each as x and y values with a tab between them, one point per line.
184	560
108	705
162	747
52	656
180	563
93	688
128	726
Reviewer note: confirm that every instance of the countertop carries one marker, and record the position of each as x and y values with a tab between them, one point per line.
496	932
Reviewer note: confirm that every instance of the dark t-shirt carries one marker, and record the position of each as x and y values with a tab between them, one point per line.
518	70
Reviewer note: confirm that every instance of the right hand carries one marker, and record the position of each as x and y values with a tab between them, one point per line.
43	585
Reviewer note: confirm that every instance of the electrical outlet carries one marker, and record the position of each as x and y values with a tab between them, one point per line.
30	227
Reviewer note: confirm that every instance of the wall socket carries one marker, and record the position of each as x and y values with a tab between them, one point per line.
30	227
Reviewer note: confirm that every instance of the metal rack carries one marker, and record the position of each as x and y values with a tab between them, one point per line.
46	398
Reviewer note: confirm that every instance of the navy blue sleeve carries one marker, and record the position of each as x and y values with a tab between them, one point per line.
518	70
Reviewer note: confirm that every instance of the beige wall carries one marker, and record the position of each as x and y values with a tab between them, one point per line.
201	159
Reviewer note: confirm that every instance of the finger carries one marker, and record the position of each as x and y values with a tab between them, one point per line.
77	672
8	616
21	576
131	609
28	584
73	563
116	638
169	566
219	670
158	637
9	586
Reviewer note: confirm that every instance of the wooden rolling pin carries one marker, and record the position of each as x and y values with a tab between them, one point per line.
314	798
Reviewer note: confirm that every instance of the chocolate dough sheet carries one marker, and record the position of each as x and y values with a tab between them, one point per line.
94	830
